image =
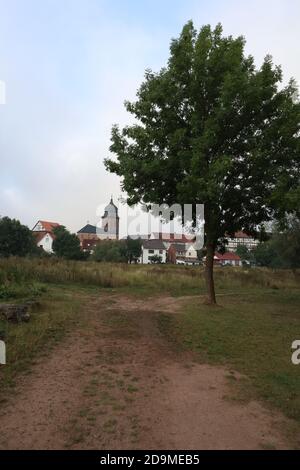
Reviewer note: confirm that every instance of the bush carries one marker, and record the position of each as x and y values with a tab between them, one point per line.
283	250
155	259
17	291
110	251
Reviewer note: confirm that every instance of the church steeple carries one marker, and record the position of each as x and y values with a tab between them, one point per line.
110	221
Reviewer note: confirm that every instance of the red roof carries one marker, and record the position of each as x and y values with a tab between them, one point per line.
229	256
40	235
174	237
241	235
47	226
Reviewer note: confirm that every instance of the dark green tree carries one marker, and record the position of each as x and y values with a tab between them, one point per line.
15	239
118	251
245	254
288	245
265	254
67	245
211	128
133	249
111	251
283	249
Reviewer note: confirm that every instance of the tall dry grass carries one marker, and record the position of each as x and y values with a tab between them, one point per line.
158	277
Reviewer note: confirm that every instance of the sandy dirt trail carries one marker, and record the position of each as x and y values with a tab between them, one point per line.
117	383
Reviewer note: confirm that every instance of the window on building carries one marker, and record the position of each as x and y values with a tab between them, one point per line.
151	252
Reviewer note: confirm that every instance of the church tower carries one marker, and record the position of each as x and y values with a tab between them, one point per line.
110	222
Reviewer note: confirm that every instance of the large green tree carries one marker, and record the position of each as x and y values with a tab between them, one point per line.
67	245
15	239
212	128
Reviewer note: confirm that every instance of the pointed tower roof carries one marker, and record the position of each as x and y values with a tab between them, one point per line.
111	209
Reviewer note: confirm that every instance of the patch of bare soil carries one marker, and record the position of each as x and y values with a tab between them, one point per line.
118	384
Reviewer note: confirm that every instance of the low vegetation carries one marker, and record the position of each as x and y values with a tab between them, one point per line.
117	251
179	280
250	333
50	318
280	251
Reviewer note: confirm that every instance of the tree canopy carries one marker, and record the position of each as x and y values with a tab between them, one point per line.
133	249
110	251
211	128
118	251
15	239
282	250
67	245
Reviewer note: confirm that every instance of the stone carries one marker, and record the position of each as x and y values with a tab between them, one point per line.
15	313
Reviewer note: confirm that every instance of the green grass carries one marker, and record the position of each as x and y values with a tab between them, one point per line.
141	280
56	314
251	333
12	291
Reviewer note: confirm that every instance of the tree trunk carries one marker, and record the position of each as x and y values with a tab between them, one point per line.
209	273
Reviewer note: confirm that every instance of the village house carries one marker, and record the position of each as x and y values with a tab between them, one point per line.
230	259
191	255
44	236
152	248
241	239
183	253
171	247
88	237
227	259
176	253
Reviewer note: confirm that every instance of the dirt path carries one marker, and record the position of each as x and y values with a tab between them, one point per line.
118	384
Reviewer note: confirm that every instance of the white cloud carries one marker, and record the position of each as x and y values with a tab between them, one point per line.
269	26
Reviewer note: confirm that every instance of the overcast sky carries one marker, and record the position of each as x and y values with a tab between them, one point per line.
68	66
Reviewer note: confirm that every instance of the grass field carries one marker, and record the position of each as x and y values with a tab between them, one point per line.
250	331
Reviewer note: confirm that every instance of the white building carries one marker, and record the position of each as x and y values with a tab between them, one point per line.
183	253
241	239
191	254
43	233
152	248
109	229
45	241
